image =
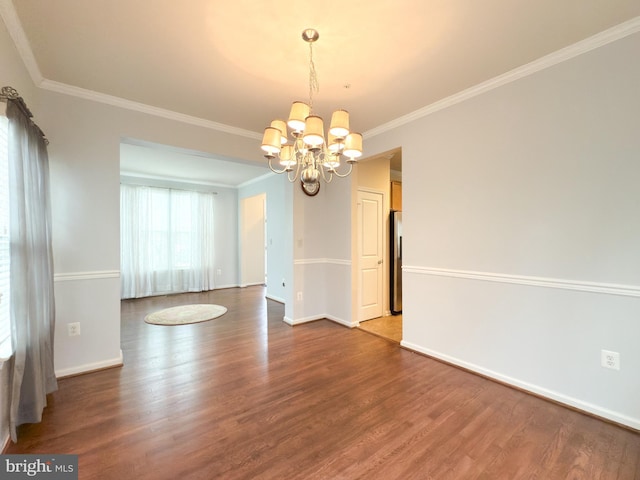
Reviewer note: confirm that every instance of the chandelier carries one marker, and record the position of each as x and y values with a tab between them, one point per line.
310	156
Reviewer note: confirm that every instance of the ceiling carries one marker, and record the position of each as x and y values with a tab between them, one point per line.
242	63
151	162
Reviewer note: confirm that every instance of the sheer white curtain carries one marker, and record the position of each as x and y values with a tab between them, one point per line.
166	241
31	271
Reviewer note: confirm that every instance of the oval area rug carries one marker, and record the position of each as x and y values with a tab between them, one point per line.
185	314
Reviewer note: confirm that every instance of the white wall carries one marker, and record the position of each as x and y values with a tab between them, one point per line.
308	248
520	218
322	254
253	217
279	233
226	238
337	250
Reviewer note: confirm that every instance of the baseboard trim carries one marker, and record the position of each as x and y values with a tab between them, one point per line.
342	322
565	400
223	287
315	318
90	367
290	321
275	299
300	321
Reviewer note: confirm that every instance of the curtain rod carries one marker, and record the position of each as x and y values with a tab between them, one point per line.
10	93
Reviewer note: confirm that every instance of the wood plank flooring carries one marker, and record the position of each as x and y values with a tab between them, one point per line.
246	396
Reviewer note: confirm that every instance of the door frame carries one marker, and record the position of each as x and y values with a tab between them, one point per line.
384	243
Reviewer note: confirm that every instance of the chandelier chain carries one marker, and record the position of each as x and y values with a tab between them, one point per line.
314	86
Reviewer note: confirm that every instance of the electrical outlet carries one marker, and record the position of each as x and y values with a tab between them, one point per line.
299	296
610	359
219	271
73	329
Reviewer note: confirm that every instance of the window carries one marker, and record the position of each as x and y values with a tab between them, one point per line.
5	294
166	241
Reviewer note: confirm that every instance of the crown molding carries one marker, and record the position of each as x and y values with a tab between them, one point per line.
144	108
14	27
135	178
596	41
255	180
130	177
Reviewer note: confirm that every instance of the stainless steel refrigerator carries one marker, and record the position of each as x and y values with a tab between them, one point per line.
396	262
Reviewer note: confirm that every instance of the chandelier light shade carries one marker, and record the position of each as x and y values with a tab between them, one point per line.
313	131
339	124
353	145
282	126
309	155
333	143
298	115
271	140
286	156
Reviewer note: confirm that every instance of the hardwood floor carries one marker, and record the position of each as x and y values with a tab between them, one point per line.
246	396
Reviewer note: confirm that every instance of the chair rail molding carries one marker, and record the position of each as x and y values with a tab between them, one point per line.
95	275
557	283
316	261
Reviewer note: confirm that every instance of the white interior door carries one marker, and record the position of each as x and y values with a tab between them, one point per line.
370	255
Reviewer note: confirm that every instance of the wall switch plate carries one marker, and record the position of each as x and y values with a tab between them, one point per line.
610	359
73	329
299	296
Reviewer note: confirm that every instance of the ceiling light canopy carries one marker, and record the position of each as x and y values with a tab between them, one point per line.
310	155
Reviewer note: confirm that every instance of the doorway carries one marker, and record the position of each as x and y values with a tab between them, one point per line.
370	235
381	174
253	251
